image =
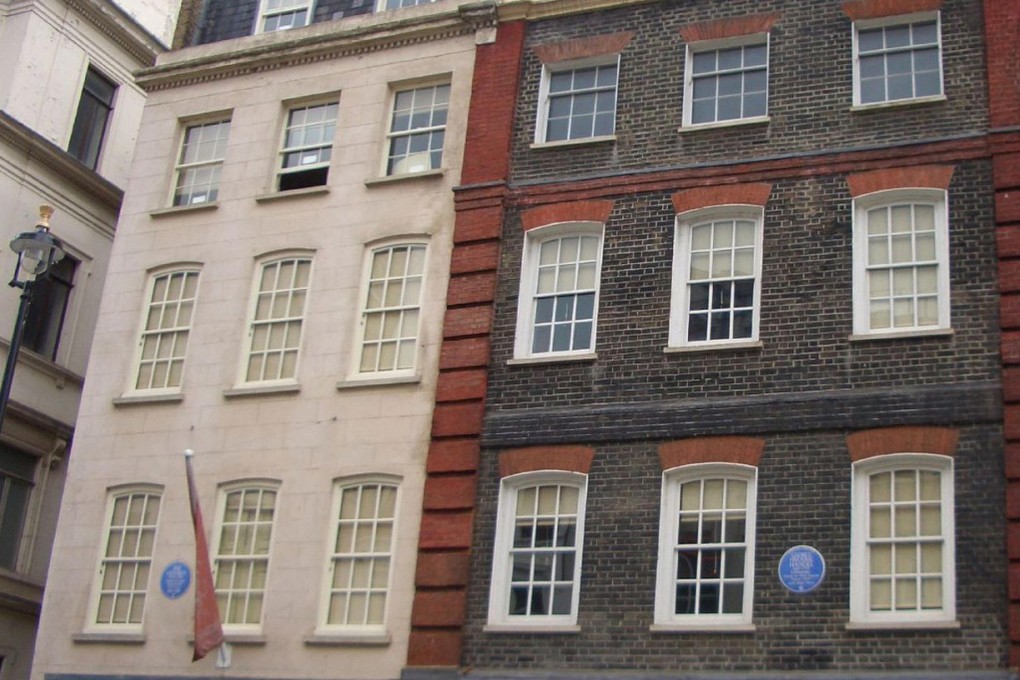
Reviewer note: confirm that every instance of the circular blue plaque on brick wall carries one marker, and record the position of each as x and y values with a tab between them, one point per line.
801	569
175	579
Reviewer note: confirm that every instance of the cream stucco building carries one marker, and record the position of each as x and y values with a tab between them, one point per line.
69	115
274	302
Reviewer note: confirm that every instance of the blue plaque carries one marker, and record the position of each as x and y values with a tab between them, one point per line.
801	569
175	579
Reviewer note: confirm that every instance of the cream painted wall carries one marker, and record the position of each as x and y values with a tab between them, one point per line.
305	440
51	48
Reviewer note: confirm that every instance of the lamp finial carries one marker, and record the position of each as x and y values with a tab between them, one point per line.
45	213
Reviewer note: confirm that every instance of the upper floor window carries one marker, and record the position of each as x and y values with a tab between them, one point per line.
276	320
242	553
577	101
198	168
126	562
391	315
307	146
279	15
51	296
17	477
897	59
165	330
901	261
558	302
536	569
716	276
726	82
94	109
417	129
706	546
362	556
902	564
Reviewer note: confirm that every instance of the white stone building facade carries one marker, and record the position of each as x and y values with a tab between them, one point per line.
274	302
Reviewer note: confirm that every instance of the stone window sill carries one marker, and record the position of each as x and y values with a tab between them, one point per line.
574	142
293	193
255	390
553	359
378	381
180	209
348	640
108	638
723	628
902	625
894	335
713	346
140	398
390	179
737	122
537	630
898	103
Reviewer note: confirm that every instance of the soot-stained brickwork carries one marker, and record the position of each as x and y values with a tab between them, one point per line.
803	390
803	498
810	89
806	308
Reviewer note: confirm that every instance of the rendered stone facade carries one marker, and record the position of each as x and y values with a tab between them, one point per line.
301	440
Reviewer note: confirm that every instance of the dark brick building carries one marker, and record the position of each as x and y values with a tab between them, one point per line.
726	306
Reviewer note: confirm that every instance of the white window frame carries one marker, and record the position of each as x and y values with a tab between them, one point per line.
181	168
218	559
333	556
311	154
106	562
665	590
533	240
253	321
421	162
702	46
887	22
174	332
860	612
499	594
679	317
937	198
548	70
296	5
399	310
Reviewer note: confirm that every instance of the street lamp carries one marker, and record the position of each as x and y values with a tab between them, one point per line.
37	251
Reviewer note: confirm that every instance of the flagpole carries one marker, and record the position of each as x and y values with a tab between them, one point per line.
208	626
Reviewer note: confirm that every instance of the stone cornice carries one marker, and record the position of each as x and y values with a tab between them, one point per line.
332	40
56	159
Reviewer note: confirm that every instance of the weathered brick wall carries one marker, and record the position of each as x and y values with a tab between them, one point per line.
810	89
804	390
806	308
803	498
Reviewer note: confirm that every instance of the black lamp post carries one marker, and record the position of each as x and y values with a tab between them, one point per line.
37	251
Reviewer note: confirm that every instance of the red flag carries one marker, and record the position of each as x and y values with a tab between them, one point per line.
208	629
